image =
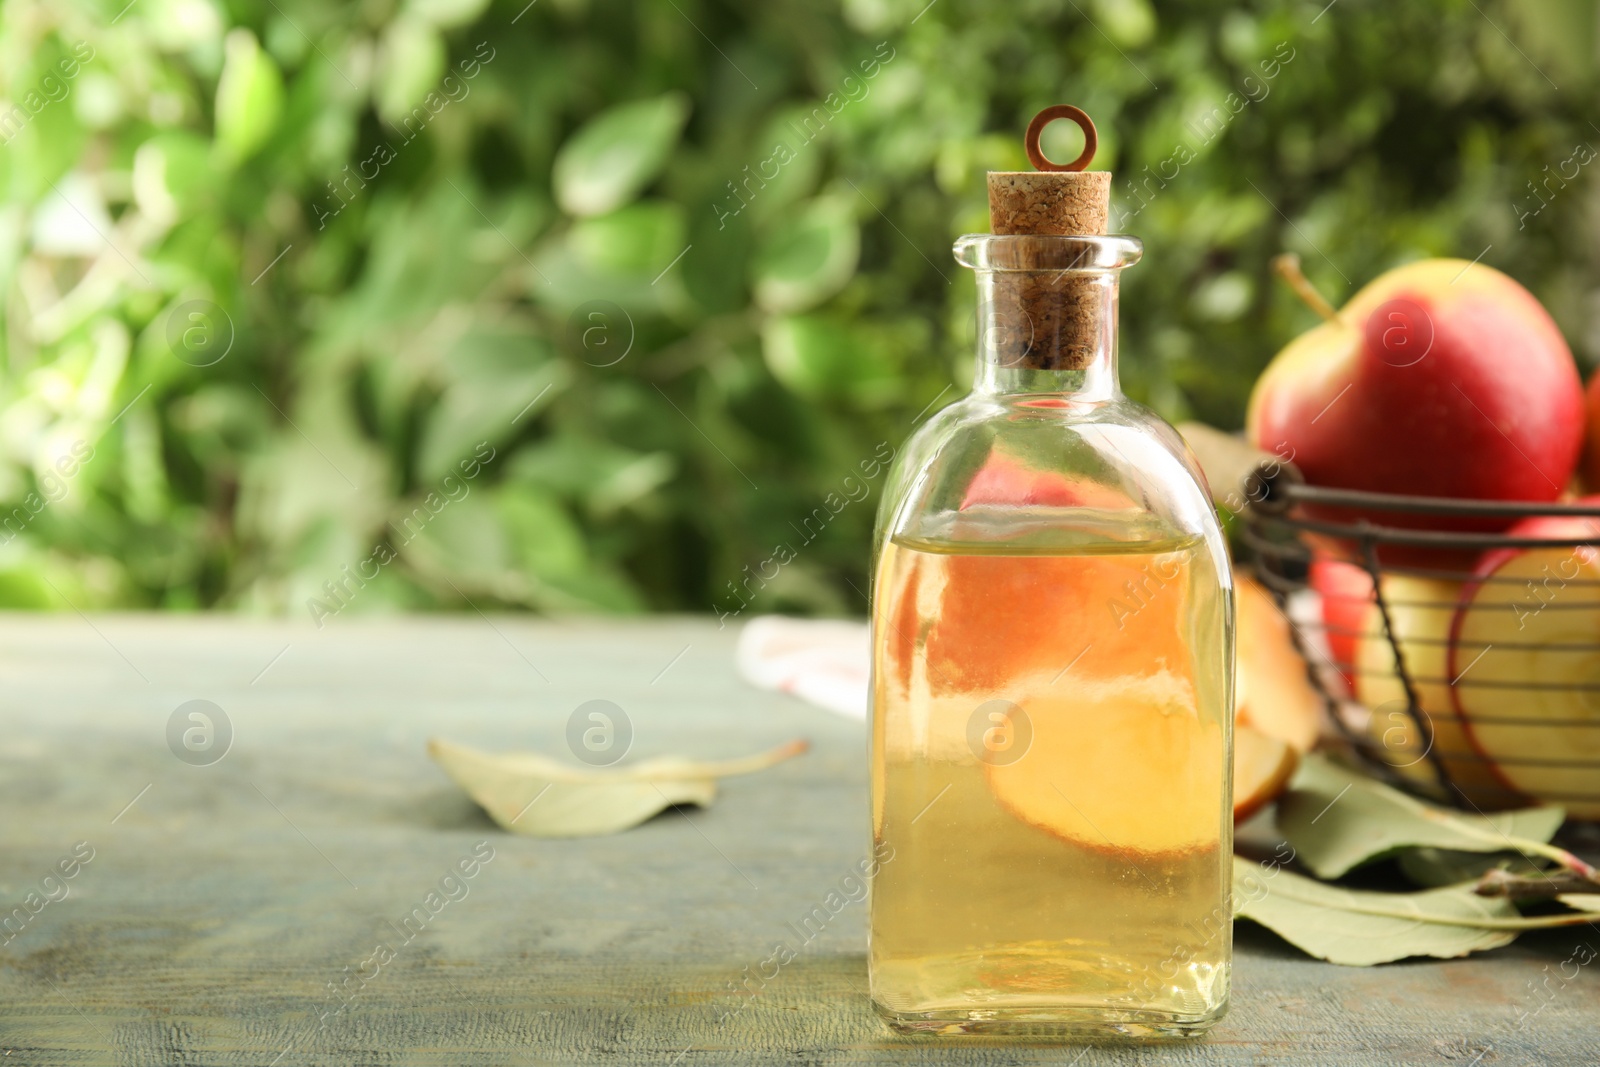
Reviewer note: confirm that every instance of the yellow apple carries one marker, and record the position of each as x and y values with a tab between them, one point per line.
1527	651
1421	611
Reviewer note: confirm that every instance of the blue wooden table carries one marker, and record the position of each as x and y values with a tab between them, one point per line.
304	898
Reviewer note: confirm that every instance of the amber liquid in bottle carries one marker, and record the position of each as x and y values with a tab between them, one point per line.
1049	761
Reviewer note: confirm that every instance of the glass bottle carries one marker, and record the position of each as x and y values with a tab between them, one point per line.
1052	685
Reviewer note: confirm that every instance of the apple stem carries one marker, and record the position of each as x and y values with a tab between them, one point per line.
1288	267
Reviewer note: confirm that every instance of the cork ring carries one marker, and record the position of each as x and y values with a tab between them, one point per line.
1091	140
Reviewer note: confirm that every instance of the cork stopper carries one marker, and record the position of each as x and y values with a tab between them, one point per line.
1053	202
1051	320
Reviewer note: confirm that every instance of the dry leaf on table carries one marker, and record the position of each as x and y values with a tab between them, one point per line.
1359	927
1338	819
1581	901
531	794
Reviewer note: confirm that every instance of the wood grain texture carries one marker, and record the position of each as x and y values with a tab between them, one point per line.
222	909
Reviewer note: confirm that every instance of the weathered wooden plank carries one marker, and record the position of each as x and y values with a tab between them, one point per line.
223	914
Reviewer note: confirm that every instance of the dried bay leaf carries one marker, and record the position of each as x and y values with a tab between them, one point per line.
1359	928
1581	901
528	793
1338	819
1539	885
1432	867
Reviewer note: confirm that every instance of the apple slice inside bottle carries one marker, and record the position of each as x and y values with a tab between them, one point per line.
1095	653
1115	765
1526	646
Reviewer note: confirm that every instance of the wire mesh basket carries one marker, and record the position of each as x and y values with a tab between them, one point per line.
1455	642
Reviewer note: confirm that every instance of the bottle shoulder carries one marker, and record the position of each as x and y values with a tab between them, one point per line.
1048	462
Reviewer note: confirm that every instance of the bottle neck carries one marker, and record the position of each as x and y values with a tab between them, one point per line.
1048	333
1097	381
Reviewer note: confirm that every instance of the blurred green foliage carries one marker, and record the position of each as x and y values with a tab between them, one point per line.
681	266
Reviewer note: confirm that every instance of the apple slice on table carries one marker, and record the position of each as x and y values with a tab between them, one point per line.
1526	641
1272	692
1262	767
1421	611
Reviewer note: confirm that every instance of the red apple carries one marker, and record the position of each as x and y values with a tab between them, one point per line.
1525	642
1345	591
1440	378
1591	440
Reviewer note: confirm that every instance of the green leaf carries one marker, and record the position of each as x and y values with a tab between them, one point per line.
603	475
818	356
318	489
27	588
446	13
173	176
411	63
785	170
1130	23
458	544
546	540
565	283
619	152
483	408
632	483
808	259
640	239
532	794
1359	928
1338	819
807	353
249	98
